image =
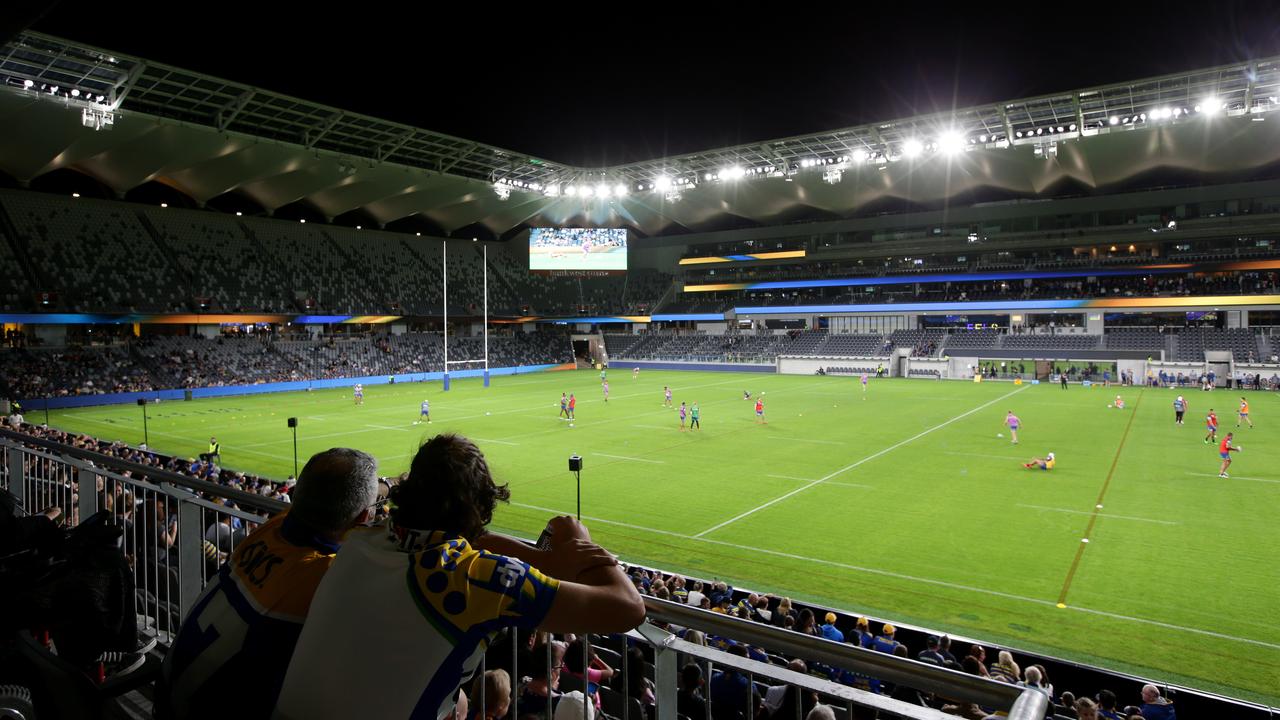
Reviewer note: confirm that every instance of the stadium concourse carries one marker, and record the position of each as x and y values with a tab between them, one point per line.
249	258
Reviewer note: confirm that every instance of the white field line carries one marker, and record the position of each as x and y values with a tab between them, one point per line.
788	477
631	459
656	427
852	485
1236	477
1103	515
851	466
500	442
808	440
917	579
388	427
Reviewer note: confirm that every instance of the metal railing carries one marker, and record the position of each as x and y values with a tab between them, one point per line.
175	540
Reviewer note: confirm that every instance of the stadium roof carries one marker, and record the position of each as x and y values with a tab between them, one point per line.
126	121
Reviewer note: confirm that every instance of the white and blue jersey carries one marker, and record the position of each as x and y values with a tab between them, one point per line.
426	409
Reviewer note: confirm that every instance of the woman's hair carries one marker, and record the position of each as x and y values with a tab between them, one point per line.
636	665
449	488
573	658
805	622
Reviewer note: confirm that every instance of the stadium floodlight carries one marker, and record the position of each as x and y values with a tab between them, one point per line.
301	220
951	142
502	191
912	148
620	190
859	155
552	190
1113	120
571	191
238	213
28	84
1210	105
75	92
732	173
832	176
586	191
603	190
165	205
75	195
662	184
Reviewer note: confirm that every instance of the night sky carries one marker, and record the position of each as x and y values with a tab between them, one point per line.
609	83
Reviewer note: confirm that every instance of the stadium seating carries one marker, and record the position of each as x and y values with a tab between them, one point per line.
923	343
1134	338
95	255
162	362
971	340
1052	342
851	345
1193	342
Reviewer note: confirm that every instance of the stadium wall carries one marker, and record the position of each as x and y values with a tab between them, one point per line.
809	365
77	401
702	367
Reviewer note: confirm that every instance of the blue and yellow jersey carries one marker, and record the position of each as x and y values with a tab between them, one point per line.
246	623
426	603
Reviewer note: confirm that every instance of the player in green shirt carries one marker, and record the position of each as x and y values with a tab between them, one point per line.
693	417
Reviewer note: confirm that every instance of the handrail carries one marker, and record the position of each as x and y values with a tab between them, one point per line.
912	673
154	474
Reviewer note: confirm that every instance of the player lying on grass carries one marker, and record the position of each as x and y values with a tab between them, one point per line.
1045	463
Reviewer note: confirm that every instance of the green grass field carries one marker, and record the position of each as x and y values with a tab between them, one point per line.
901	503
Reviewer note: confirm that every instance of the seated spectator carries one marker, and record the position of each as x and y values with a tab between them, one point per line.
1005	669
781	700
1155	707
490	696
829	630
263	595
930	654
862	629
570	707
732	694
979	653
597	670
430	635
1066	705
1086	709
690	702
805	622
1106	705
637	677
884	642
544	682
821	712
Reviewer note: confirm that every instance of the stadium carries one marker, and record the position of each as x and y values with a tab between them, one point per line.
936	414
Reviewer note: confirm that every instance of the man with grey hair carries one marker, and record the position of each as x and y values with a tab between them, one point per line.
1155	707
247	622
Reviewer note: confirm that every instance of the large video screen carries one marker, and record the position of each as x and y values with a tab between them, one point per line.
578	249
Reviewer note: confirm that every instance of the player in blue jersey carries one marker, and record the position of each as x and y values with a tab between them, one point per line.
666	394
564	406
425	412
359	394
247	621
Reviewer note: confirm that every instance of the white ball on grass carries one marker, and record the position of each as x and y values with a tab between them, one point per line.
999	435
